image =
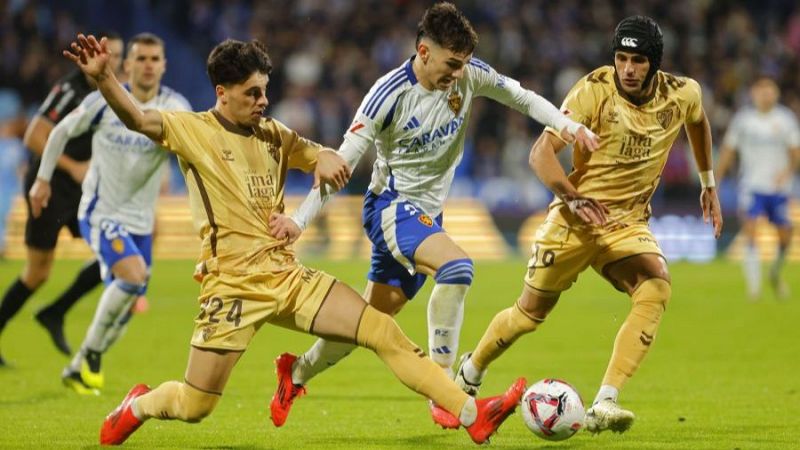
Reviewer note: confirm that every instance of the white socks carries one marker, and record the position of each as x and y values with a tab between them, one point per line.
607	392
752	270
445	316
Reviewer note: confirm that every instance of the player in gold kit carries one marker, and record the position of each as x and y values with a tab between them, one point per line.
600	215
235	162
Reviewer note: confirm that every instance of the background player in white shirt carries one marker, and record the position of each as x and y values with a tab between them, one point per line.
118	204
766	138
416	116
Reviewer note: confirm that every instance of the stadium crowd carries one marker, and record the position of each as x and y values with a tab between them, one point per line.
329	53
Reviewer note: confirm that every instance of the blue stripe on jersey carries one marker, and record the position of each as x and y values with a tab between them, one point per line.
410	72
378	91
98	116
479	64
390	115
373	111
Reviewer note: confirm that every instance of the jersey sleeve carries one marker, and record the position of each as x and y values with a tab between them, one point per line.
793	130
489	83
733	134
86	115
581	102
694	99
178	134
302	152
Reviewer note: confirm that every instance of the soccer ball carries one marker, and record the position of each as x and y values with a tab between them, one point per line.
552	409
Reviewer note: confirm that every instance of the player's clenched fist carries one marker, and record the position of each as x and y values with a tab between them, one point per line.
283	227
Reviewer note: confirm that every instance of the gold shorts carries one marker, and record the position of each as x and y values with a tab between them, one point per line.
234	307
561	252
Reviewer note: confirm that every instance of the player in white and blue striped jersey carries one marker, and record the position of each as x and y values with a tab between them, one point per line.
416	116
117	208
766	138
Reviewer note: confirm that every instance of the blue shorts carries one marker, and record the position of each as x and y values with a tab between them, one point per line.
111	242
396	227
774	206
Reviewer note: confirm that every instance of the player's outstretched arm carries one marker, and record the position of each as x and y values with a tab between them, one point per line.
91	56
544	163
699	134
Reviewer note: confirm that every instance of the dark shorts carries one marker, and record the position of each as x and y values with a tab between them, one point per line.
62	211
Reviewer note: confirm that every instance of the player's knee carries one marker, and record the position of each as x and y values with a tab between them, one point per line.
653	292
129	287
196	405
457	271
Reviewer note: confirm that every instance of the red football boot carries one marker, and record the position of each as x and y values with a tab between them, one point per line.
286	391
493	411
121	423
443	418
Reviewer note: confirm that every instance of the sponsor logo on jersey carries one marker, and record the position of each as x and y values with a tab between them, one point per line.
415	143
356	126
636	146
425	220
454	102
413	123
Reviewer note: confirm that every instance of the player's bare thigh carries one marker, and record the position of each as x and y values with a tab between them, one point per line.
385	298
435	251
208	370
537	303
131	269
628	273
339	314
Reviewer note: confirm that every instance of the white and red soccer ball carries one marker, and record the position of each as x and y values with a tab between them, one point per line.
552	409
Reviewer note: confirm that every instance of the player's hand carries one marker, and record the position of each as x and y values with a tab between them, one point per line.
78	170
589	210
709	203
89	54
283	228
39	196
331	169
583	136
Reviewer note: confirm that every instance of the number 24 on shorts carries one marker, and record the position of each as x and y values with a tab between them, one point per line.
213	306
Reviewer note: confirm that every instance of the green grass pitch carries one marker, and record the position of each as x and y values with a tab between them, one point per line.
724	373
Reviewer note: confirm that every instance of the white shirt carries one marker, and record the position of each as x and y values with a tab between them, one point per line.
124	175
419	134
763	141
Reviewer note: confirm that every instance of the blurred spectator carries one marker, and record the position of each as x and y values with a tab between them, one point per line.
12	155
327	53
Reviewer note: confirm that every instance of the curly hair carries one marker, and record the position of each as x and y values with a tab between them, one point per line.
233	62
445	25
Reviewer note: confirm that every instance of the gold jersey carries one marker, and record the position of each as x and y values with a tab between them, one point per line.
634	141
235	179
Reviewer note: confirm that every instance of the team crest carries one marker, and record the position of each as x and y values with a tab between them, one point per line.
426	220
118	245
454	102
665	117
208	332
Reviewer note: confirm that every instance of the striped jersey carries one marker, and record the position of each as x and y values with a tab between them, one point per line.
763	142
125	172
419	133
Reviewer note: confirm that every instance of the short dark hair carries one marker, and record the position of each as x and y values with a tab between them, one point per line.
144	38
445	25
233	62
